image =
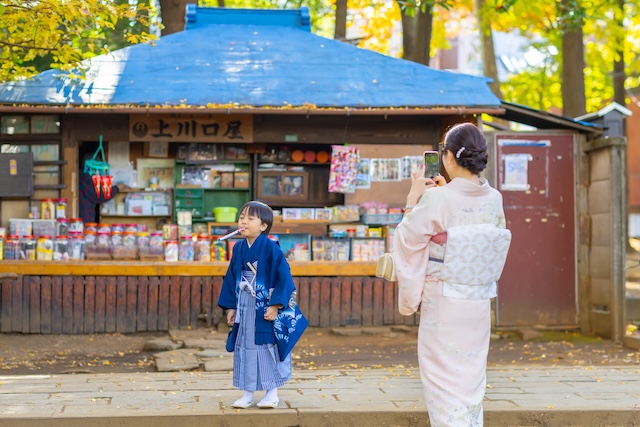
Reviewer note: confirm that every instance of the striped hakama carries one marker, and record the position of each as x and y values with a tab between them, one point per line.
255	367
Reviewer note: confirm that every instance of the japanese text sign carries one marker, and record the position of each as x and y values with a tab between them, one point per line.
191	128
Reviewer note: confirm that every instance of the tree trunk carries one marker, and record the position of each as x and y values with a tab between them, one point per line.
573	94
424	28
489	65
619	76
408	35
340	32
172	12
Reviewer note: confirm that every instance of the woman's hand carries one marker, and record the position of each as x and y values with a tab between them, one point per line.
439	180
418	184
271	313
231	317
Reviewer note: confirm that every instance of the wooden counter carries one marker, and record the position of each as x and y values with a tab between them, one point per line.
142	268
127	296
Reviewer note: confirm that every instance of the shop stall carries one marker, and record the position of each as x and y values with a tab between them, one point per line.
336	173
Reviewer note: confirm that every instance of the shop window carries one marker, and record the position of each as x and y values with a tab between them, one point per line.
14	125
45	124
24	125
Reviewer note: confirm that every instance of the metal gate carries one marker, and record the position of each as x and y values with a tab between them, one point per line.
535	174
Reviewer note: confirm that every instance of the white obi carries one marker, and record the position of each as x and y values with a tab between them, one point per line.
471	261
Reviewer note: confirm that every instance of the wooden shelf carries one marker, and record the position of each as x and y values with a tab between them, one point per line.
212	162
291	163
146	190
50	163
50	187
134	216
226	189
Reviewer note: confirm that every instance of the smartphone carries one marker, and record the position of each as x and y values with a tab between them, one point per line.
431	164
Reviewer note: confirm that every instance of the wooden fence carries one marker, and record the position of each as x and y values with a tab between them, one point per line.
126	304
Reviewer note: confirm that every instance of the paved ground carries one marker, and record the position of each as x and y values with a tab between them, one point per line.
22	354
580	396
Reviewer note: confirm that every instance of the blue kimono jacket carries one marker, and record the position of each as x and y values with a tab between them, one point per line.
273	284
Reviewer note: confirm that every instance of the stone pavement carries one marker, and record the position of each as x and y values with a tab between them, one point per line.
575	396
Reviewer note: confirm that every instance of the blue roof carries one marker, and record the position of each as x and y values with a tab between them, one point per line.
213	64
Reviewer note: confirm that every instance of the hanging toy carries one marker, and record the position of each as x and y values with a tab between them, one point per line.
106	185
96	184
99	171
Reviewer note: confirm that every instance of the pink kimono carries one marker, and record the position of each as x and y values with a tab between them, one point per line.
455	320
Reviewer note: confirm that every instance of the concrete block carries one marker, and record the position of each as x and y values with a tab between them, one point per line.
161	344
346	332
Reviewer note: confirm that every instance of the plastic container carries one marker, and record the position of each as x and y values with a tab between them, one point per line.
44	248
219	251
103	240
184	230
89	237
170	232
186	250
76	247
116	238
61	248
203	248
61	208
90	226
76	225
143	240
47	209
62	227
131	228
12	247
225	214
129	239
117	228
104	228
155	243
28	248
171	251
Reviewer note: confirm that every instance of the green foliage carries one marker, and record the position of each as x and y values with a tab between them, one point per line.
41	34
603	34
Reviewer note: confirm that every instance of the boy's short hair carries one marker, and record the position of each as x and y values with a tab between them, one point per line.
260	210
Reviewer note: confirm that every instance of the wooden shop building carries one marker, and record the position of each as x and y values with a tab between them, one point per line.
241	105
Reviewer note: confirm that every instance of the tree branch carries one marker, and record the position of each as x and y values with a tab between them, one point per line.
25	46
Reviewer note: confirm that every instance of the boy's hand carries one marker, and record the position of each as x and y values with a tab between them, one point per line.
271	313
231	317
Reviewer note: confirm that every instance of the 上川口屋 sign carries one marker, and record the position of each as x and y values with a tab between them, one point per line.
191	128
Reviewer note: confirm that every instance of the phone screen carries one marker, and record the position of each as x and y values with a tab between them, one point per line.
431	164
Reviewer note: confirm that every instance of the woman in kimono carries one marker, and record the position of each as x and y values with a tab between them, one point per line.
455	320
258	283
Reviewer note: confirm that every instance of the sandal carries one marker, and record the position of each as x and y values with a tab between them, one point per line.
242	404
268	404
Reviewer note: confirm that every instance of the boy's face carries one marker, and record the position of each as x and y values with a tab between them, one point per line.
253	226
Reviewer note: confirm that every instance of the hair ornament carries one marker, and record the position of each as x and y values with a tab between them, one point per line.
459	152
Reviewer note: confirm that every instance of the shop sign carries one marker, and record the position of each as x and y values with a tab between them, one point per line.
191	128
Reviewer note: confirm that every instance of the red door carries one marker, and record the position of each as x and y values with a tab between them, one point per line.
535	174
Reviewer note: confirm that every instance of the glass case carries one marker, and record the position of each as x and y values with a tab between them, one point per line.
280	187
